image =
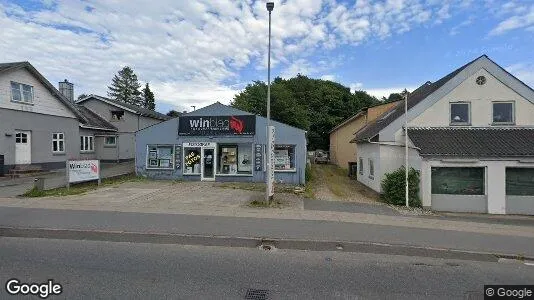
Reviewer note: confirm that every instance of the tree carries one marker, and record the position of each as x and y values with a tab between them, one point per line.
125	87
82	96
148	101
395	96
173	113
311	104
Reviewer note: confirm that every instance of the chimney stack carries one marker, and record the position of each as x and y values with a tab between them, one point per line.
67	89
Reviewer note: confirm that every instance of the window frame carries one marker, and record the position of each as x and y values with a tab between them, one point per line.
484	180
110	145
58	140
291	170
200	161
21	93
493	113
360	166
451	122
87	143
371	168
507	186
172	160
239	150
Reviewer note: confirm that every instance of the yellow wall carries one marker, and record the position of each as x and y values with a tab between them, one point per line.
341	150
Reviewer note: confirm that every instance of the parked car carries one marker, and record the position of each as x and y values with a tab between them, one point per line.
321	157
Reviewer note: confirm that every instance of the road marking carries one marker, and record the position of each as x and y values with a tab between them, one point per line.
529	264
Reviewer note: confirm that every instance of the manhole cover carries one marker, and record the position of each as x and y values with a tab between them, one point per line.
255	294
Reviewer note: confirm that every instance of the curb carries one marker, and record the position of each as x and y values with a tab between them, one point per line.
256	242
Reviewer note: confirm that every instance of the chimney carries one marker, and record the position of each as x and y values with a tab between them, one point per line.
67	89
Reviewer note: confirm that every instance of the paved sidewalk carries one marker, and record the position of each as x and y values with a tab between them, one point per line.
268	228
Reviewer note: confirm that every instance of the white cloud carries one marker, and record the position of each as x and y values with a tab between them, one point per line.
330	77
524	72
192	52
386	91
519	16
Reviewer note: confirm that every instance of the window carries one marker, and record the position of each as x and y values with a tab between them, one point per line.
87	143
21	92
458	181
234	158
117	115
21	138
58	142
160	157
460	113
371	169
284	157
192	160
360	166
503	113
520	181
110	141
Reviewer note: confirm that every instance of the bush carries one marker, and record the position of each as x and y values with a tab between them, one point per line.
393	187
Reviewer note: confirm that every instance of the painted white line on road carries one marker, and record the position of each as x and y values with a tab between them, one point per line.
529	264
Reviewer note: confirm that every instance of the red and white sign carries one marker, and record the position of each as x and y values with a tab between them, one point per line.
83	170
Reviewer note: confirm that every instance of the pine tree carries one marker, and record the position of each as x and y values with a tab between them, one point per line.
125	87
148	101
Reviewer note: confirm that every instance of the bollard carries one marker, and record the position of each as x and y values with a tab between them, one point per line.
38	184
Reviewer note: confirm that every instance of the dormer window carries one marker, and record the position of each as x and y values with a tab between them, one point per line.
460	113
503	113
117	115
21	93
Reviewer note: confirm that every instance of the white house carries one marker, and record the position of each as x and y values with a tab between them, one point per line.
471	134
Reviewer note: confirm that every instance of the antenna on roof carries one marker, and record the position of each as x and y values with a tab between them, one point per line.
194	107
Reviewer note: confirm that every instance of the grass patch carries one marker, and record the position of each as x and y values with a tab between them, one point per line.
80	188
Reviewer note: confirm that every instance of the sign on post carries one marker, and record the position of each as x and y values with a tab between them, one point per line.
270	161
82	170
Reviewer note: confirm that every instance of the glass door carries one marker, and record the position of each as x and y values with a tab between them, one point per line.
208	164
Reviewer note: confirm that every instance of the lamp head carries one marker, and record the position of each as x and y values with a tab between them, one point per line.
270	6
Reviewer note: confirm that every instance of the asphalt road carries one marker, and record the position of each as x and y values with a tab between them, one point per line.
107	270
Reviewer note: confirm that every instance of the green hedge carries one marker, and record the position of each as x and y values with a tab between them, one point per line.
394	188
308	173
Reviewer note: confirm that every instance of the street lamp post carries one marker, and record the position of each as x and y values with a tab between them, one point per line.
270	129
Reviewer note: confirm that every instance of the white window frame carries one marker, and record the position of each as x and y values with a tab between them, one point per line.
106	144
371	168
87	143
21	93
360	166
57	139
493	109
451	121
147	165
291	170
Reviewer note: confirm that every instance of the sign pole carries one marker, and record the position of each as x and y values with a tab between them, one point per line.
99	173
67	174
270	129
406	150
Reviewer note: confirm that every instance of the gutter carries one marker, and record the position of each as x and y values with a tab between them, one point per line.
392	144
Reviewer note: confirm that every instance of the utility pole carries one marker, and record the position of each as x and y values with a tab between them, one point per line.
406	167
270	129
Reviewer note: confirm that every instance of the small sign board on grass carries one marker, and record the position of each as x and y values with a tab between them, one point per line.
82	170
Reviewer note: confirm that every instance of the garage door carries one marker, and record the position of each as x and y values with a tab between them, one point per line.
520	191
459	189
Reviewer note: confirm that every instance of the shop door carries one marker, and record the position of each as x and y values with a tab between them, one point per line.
208	164
23	147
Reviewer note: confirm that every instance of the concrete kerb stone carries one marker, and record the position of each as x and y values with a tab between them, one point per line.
257	242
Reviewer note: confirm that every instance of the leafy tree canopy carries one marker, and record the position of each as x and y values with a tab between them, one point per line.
314	105
173	113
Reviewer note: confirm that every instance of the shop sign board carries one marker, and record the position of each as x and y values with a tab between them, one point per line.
217	125
83	170
258	157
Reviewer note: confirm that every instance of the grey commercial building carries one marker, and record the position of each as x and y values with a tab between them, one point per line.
219	143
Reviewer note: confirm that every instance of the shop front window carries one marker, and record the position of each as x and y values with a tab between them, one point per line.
458	181
234	159
520	181
160	157
192	160
284	157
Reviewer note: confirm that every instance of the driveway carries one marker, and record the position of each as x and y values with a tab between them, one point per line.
18	186
155	196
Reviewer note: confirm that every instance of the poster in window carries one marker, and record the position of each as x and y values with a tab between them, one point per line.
153	154
244	163
164	163
281	159
153	162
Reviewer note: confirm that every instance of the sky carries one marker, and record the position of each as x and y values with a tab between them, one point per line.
200	52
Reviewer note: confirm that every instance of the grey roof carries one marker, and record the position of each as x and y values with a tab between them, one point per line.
93	120
4	67
473	142
373	128
137	109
